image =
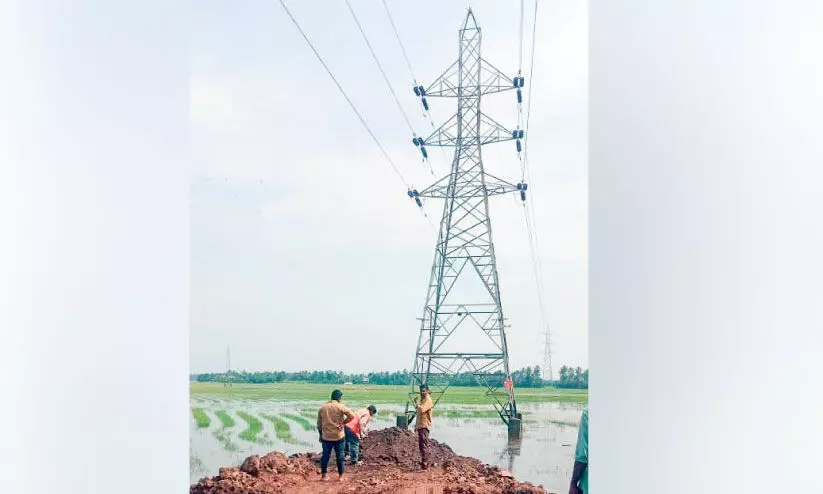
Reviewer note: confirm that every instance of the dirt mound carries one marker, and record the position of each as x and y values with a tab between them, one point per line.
391	462
398	447
470	476
271	474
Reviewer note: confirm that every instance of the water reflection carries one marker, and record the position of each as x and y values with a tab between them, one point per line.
511	451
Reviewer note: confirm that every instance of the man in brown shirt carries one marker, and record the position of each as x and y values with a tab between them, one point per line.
331	419
423	423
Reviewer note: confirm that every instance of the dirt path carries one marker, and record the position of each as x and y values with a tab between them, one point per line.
390	465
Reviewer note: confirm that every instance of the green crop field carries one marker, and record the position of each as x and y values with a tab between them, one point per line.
227	424
281	427
200	417
225	418
302	421
225	441
253	429
468	414
374	393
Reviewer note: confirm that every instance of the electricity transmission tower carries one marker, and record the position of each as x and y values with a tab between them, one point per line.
462	329
227	377
548	372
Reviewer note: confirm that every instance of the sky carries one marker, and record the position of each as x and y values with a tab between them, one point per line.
306	252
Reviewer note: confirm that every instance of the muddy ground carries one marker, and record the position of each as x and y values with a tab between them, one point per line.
391	464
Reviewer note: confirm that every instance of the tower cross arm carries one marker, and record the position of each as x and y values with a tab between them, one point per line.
492	80
447	85
445	135
492	186
489	132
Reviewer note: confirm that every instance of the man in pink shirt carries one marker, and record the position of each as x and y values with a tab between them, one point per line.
356	430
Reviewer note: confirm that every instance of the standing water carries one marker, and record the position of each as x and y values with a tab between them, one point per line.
237	429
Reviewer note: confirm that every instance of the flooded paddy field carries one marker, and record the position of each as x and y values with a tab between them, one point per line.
230	424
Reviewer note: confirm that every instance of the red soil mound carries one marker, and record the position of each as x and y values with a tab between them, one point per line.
398	447
390	465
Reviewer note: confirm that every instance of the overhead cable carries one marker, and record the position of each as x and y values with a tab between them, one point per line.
524	166
402	48
380	67
351	104
528	211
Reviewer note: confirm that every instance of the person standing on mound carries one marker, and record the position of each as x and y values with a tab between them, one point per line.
331	420
423	423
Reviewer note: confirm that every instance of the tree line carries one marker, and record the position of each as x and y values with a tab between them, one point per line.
573	378
528	377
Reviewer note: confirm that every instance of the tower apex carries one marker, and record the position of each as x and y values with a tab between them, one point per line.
471	22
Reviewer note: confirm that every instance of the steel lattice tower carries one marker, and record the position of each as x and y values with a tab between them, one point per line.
462	328
227	377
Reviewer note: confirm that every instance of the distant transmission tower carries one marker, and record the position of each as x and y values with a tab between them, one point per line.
463	329
547	357
227	377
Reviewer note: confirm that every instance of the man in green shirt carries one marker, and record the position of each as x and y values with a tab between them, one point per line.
580	475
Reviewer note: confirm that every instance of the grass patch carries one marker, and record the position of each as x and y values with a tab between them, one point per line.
224	441
253	429
467	414
222	435
200	417
225	418
281	428
564	423
302	421
365	393
196	465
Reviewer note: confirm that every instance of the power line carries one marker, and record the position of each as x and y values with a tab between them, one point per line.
537	270
426	113
402	48
354	108
431	224
531	219
520	57
536	267
524	167
525	170
380	66
519	73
